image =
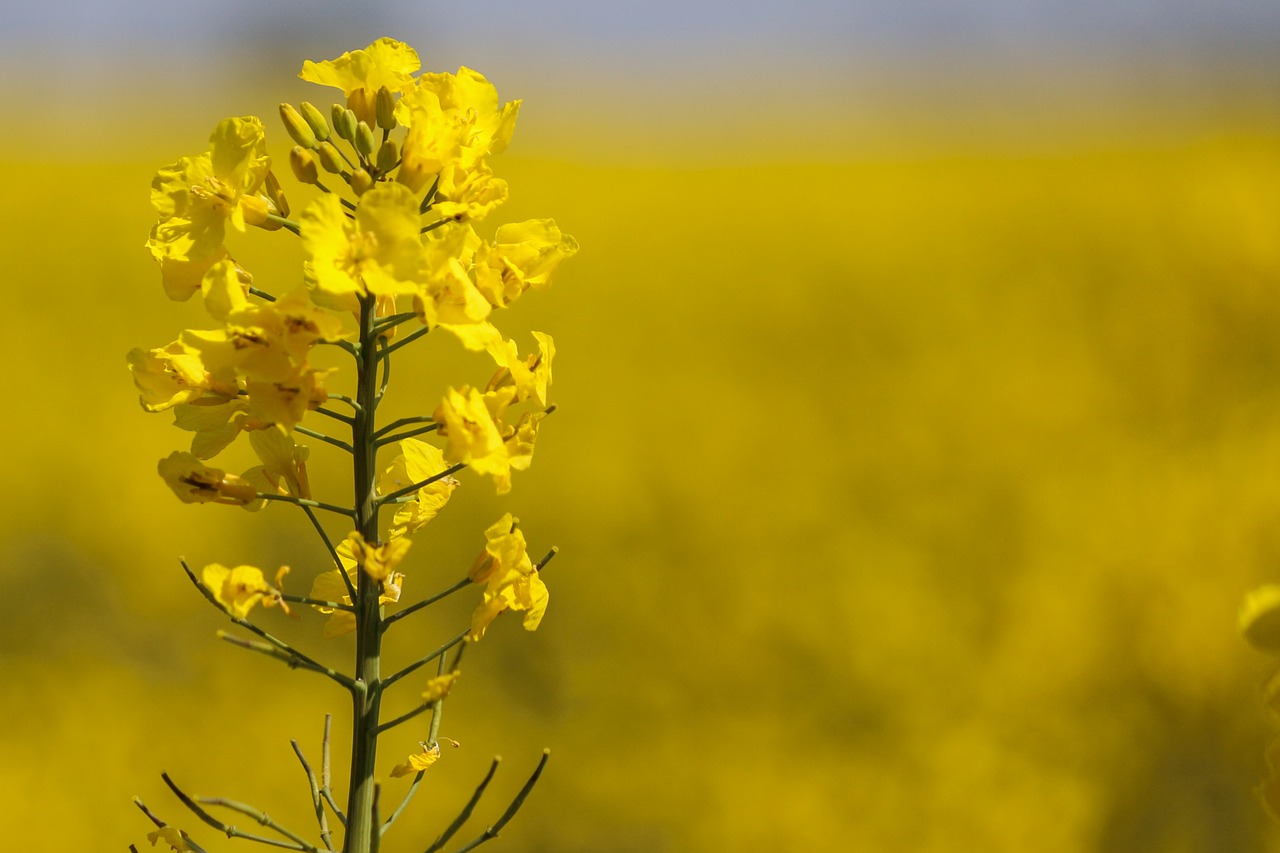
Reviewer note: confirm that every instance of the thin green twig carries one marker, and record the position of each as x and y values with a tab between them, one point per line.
160	824
407	339
325	789
316	602
231	831
421	484
337	416
416	419
316	803
260	816
328	439
292	653
418	664
287	224
409	433
340	510
465	814
333	552
492	832
414	608
389	322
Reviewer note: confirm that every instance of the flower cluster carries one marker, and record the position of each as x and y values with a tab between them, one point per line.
399	178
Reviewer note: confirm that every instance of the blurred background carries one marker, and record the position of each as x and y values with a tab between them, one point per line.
919	428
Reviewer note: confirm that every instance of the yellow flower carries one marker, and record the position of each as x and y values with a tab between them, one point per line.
194	482
511	581
419	762
284	463
174	837
376	560
471	423
470	108
468	194
216	421
242	587
448	295
531	375
361	73
168	376
380	252
284	402
523	255
439	686
329	586
197	196
417	461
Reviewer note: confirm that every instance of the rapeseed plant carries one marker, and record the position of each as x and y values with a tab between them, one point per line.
396	246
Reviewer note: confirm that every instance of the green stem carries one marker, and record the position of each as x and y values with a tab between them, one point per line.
328	439
287	224
367	697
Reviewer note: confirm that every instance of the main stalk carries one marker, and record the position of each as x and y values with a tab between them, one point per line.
367	694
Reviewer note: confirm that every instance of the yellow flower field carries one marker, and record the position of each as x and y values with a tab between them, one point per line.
903	503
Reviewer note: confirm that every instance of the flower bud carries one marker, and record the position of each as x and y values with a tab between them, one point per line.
363	102
330	159
361	181
297	126
344	122
303	163
364	140
388	156
315	120
385	107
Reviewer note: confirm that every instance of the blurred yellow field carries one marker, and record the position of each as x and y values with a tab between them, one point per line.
903	504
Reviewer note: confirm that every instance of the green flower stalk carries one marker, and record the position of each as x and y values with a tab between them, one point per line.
397	248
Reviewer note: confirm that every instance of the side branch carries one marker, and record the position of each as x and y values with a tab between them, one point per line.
231	831
280	646
406	340
465	814
414	608
418	419
328	439
413	487
333	552
316	803
340	510
416	665
260	816
492	832
195	848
